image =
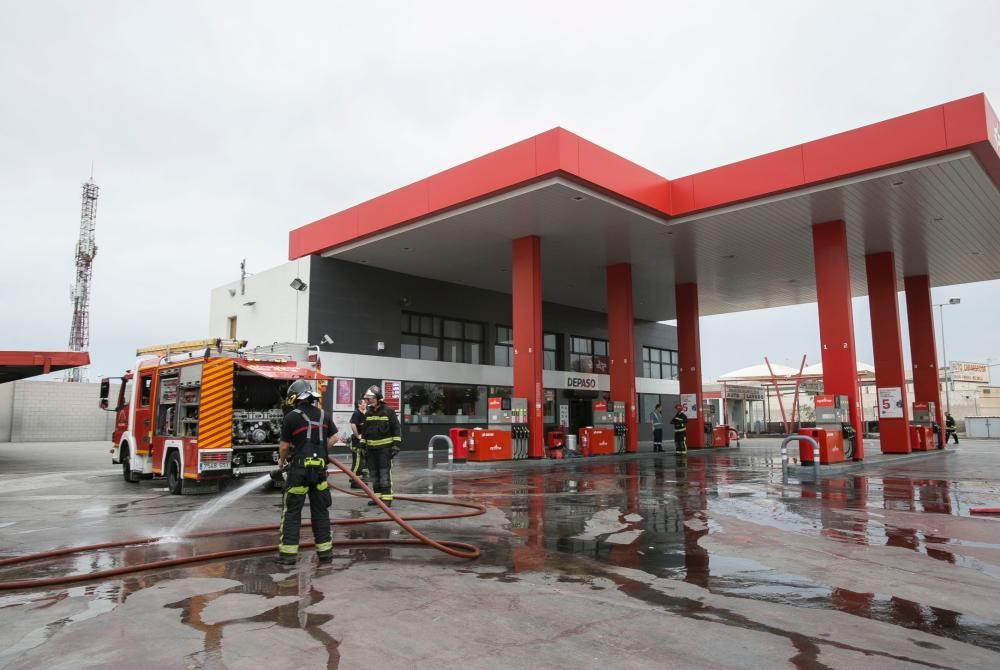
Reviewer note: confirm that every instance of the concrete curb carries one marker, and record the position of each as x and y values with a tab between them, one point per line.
566	462
806	473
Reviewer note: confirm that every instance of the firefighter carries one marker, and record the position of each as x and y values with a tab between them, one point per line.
382	442
680	424
359	455
307	433
950	430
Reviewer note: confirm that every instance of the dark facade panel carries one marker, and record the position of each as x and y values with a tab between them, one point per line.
359	306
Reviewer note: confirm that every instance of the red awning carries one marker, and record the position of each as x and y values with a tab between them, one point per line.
281	371
16	365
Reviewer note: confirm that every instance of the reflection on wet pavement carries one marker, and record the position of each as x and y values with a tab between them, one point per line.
711	538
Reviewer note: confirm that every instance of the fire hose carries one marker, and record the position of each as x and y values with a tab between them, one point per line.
456	549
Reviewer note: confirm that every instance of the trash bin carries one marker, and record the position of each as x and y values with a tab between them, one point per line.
571	444
460	449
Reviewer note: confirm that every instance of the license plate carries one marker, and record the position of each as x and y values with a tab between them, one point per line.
214	465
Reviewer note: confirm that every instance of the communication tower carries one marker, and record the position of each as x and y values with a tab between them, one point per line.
86	249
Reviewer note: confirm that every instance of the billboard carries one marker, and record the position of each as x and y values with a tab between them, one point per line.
969	372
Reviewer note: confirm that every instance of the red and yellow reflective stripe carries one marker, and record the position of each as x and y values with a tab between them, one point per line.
215	419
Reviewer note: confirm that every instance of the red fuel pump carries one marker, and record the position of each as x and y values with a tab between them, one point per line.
506	438
599	439
832	414
720	436
922	426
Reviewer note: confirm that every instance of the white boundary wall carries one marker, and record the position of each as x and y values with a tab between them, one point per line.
33	411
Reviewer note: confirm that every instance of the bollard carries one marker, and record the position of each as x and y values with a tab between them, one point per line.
784	455
816	462
430	450
784	462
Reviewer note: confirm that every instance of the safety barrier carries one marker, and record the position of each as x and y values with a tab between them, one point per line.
784	455
430	449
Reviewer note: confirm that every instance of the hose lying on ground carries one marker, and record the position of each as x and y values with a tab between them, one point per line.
457	549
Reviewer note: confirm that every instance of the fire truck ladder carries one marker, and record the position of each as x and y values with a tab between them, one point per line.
191	345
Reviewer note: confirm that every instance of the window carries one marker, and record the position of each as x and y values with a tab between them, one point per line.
433	338
443	403
166	405
659	363
146	385
503	350
647	403
232	328
588	355
550	351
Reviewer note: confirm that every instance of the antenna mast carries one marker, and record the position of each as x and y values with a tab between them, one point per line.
86	249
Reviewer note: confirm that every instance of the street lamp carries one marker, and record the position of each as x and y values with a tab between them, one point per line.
944	352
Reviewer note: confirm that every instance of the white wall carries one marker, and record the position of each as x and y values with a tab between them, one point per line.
54	412
279	313
6	410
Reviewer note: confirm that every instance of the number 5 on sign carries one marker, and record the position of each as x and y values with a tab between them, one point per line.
890	403
689	405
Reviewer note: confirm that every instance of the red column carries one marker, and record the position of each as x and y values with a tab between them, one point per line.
526	293
836	322
887	346
621	347
689	358
923	348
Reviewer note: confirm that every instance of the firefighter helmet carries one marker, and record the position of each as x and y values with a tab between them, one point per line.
301	391
374	392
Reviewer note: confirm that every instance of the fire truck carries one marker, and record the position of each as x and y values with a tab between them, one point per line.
203	411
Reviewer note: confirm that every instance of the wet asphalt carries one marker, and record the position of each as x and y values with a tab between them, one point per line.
645	562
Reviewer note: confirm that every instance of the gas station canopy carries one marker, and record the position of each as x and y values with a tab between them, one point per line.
925	186
16	365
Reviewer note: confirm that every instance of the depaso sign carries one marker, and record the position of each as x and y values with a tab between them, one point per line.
581	382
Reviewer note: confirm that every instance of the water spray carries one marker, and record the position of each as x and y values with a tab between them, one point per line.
452	548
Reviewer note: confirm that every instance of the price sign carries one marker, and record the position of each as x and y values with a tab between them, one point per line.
890	403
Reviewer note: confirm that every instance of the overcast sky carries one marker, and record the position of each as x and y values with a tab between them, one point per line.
216	127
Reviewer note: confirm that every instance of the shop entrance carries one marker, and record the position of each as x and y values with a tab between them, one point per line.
581	408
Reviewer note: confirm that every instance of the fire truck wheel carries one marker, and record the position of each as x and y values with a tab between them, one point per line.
130	477
174	478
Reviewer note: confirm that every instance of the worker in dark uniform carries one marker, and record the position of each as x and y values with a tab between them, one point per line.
359	459
680	424
382	441
950	430
306	435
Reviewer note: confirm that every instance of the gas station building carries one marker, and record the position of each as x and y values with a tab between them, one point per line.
555	257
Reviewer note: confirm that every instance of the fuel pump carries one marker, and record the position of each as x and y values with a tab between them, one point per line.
924	432
519	431
507	436
716	434
599	439
493	443
708	411
620	427
833	431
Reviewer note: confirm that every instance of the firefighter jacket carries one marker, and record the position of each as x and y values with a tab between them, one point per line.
949	423
679	422
381	428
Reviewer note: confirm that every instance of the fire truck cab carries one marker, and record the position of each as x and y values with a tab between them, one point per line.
204	411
